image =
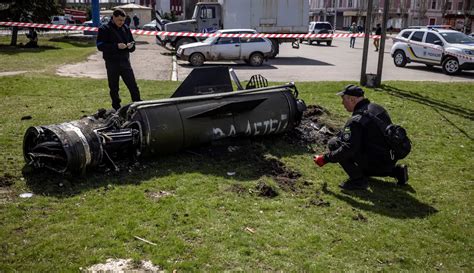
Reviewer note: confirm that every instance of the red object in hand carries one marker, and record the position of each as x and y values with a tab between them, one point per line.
319	160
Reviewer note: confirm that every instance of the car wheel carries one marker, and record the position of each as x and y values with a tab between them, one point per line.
183	42
451	66
329	43
256	59
196	59
399	58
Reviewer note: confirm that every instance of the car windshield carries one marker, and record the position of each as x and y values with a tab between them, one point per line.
210	40
457	38
322	26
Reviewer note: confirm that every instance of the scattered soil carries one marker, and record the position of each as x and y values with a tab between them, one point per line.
156	196
123	265
359	217
316	128
266	190
237	188
319	202
7	180
6	194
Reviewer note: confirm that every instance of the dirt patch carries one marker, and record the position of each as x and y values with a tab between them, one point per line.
285	177
359	217
123	265
319	202
6	194
237	188
7	180
266	190
157	195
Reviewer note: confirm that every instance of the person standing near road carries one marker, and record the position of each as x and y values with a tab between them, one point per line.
136	21
128	21
116	43
360	148
378	32
353	30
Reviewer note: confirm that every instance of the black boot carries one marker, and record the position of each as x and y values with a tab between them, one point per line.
355	184
400	172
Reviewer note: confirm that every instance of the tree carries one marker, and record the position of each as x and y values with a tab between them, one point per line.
38	11
423	8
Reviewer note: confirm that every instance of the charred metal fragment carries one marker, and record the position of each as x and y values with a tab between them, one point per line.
196	114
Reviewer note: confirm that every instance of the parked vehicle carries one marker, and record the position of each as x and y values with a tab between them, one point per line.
61	20
270	16
320	28
251	50
450	49
77	16
154	25
103	20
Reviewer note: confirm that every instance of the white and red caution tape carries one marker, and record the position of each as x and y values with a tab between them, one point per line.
454	54
189	34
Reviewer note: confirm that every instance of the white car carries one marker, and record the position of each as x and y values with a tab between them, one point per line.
252	50
450	49
320	28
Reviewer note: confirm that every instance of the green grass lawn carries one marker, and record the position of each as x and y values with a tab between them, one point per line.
212	221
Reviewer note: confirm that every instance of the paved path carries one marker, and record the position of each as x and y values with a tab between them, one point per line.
147	61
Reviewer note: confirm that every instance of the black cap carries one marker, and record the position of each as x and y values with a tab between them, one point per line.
352	90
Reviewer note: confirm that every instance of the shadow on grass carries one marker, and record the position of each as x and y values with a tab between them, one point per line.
247	158
13	50
437	105
77	41
387	199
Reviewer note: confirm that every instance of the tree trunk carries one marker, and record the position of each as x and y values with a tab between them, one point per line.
14	36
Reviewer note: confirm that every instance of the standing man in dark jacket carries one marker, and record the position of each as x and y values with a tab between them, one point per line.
116	42
360	148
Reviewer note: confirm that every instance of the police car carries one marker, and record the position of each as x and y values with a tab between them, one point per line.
450	49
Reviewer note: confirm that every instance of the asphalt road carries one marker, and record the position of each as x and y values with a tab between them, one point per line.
308	63
332	63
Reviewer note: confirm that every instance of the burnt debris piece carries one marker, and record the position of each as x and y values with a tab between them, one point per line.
203	109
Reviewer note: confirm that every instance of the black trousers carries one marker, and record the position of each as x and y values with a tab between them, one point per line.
115	70
363	165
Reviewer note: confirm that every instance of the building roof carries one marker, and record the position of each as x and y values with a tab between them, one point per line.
131	6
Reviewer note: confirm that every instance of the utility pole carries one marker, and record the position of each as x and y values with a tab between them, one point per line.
95	13
368	30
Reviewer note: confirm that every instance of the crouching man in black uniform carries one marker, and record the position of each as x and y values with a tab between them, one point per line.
116	42
360	148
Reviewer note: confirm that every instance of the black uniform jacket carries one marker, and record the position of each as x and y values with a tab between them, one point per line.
361	137
108	39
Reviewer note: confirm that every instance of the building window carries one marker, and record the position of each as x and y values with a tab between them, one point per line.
460	4
349	3
433	5
340	3
449	5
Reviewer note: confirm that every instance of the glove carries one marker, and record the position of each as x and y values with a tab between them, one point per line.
319	160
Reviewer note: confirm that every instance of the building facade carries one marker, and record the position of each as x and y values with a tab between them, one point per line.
459	14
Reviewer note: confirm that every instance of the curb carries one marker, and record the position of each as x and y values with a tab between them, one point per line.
174	71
